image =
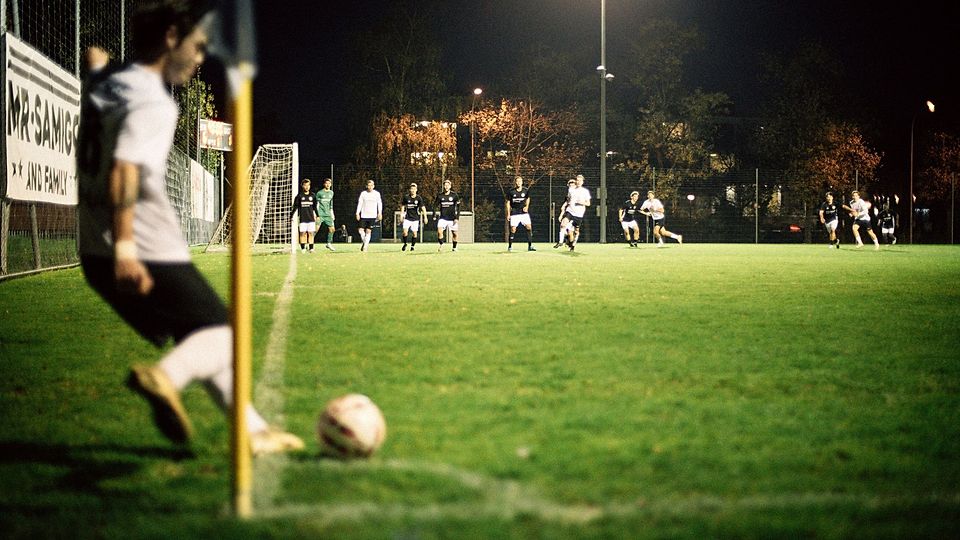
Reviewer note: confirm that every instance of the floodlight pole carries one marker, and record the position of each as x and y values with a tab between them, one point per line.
913	123
473	121
602	68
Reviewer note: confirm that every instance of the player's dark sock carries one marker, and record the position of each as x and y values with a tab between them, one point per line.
454	244
413	241
329	237
510	243
404	240
529	238
303	246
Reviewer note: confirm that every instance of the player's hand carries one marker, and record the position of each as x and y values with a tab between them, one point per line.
379	217
132	277
358	217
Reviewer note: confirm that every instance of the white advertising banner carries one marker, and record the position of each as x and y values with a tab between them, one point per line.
201	192
41	114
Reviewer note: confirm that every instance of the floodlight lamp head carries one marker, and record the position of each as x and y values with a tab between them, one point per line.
477	91
608	76
601	68
930	106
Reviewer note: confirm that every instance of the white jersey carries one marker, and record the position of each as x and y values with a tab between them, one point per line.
138	118
370	205
861	208
654	206
579	198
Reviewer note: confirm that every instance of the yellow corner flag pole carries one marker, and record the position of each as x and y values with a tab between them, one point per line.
241	108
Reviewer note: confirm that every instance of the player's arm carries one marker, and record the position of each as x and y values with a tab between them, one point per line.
131	274
359	206
423	212
586	202
379	208
822	221
456	209
508	210
620	214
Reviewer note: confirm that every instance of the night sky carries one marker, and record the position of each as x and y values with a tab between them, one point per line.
895	57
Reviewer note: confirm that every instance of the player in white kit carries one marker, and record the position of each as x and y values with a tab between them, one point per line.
653	208
579	200
860	212
369	213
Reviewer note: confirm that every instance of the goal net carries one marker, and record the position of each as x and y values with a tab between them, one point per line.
274	175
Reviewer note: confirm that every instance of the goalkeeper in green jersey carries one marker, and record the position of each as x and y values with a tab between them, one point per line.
325	211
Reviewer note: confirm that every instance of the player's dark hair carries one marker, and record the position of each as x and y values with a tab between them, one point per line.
151	20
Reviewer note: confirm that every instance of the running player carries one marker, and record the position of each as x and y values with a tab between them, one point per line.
448	205
564	222
888	224
305	203
628	218
414	211
830	219
325	217
860	212
518	208
575	210
654	208
369	213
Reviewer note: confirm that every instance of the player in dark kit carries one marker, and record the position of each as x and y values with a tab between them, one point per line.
888	224
830	219
448	204
629	211
518	206
306	203
413	212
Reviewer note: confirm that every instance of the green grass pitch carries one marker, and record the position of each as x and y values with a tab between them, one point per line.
695	391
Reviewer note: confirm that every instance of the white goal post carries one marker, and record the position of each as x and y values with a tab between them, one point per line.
274	177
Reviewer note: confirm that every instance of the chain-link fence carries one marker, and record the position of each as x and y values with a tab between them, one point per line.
753	206
36	235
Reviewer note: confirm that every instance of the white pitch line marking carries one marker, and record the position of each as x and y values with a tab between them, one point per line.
268	393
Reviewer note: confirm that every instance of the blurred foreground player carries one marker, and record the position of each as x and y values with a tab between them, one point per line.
131	248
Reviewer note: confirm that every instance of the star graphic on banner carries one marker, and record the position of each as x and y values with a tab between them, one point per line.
13	169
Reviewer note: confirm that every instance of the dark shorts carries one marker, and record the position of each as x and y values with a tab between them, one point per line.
862	223
180	303
366	223
573	219
659	222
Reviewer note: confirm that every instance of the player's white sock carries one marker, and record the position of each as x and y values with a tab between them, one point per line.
207	355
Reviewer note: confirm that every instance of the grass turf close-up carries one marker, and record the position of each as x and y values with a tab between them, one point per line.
687	391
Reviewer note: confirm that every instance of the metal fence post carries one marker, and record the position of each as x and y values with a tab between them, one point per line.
35	236
756	206
4	233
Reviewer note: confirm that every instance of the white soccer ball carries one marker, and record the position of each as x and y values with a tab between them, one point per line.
351	426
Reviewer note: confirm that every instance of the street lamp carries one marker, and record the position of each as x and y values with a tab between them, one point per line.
604	77
476	94
930	107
